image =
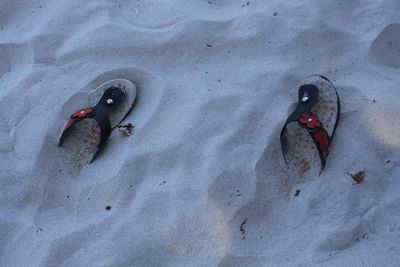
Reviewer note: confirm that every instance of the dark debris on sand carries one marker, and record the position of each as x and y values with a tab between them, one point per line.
126	129
242	228
358	177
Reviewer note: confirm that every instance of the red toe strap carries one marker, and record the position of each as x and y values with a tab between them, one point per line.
310	120
321	139
77	116
82	113
317	132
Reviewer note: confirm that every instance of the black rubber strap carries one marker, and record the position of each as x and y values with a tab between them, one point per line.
95	113
307	98
100	113
102	117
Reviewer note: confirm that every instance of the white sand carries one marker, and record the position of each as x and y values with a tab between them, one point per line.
204	156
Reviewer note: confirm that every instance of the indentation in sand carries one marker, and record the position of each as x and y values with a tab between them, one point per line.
5	65
140	14
149	93
385	49
384	123
5	143
227	193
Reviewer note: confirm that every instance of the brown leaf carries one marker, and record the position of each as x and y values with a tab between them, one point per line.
358	177
126	129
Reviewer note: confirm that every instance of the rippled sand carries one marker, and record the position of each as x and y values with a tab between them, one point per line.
201	182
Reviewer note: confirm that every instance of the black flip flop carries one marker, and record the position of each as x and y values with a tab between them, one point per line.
88	128
308	131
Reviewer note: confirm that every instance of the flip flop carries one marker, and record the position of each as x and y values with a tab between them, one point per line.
308	131
88	128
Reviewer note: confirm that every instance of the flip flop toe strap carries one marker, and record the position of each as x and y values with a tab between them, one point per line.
314	127
317	132
307	98
99	115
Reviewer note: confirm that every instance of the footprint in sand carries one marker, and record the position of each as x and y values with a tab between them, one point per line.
385	49
149	92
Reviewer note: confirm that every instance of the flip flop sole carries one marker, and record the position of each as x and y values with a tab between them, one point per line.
300	152
80	144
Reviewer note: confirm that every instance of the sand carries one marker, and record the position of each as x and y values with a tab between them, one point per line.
201	181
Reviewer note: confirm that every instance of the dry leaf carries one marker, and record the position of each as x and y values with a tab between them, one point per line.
126	129
358	177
